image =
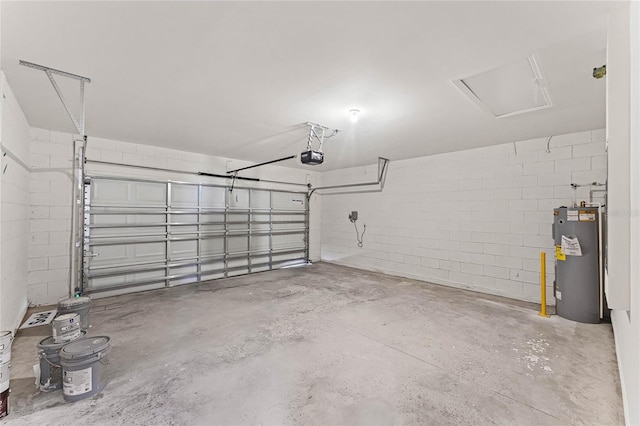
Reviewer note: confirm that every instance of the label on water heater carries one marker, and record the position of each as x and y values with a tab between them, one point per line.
572	215
77	382
558	295
587	216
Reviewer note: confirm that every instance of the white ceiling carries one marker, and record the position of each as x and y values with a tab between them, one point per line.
239	79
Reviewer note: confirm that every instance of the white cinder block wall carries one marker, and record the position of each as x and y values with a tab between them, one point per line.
50	188
14	222
475	219
51	195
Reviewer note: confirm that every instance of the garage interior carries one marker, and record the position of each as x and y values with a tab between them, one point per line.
323	212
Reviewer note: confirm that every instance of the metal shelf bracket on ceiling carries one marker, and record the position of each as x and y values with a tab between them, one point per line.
78	124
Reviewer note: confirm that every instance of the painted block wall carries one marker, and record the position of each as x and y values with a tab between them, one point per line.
50	188
14	222
475	219
51	195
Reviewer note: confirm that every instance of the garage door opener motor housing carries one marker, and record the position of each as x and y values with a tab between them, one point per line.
312	157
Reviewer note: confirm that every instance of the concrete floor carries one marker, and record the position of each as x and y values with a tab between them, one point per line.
331	345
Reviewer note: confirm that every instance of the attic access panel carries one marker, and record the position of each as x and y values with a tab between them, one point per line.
508	90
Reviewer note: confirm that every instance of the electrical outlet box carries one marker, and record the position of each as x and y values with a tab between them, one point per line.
353	216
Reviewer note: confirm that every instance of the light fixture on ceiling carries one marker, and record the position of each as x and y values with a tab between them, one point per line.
508	90
353	114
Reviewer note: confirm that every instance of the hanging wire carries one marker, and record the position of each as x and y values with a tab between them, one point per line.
359	237
548	142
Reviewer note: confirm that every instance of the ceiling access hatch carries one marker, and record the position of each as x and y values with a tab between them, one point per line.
511	89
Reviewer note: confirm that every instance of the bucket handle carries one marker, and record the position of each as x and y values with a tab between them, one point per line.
43	356
98	357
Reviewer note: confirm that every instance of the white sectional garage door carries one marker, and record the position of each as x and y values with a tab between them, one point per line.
143	234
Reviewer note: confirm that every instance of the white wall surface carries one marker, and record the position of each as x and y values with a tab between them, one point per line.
50	188
14	223
618	99
51	194
474	219
624	148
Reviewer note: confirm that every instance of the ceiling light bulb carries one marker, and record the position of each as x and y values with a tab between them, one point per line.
354	115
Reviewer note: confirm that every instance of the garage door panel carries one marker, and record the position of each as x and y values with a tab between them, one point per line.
183	249
129	232
128	193
124	280
212	246
292	258
286	241
239	198
213	216
183	218
260	218
237	216
288	201
184	274
237	272
148	251
237	244
184	231
213	197
260	263
126	254
109	255
212	268
289	226
142	231
260	199
184	196
238	224
260	228
238	263
212	230
210	275
144	193
260	243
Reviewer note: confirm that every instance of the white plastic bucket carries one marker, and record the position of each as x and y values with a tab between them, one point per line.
77	305
84	367
5	375
50	368
66	328
6	339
